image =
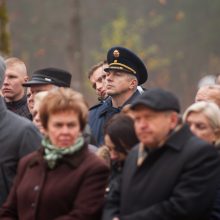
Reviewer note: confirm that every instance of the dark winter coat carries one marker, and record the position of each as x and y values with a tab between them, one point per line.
74	190
18	137
175	182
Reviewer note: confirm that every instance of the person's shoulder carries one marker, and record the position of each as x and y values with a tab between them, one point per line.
101	107
96	106
197	147
94	161
17	120
30	159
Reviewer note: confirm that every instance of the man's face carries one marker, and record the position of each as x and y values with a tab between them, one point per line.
153	127
33	90
98	80
12	88
117	82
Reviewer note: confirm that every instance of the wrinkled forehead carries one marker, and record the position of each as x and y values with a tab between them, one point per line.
39	88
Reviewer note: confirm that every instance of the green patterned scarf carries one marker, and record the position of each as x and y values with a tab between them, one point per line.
54	153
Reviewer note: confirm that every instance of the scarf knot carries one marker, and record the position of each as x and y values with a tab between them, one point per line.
53	153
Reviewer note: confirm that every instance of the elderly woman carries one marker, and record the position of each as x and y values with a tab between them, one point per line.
63	180
204	121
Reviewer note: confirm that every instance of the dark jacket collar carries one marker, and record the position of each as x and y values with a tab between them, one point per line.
73	161
179	138
107	105
18	103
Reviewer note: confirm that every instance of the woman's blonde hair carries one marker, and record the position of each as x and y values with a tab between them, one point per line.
62	100
212	113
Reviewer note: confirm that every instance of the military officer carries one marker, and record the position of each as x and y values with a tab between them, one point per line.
123	75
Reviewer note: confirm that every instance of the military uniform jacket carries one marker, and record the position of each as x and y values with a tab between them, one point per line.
175	182
100	114
73	190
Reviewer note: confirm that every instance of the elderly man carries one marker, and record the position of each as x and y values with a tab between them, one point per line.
18	137
125	72
171	174
46	79
209	93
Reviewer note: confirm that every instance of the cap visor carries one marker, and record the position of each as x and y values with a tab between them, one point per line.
34	82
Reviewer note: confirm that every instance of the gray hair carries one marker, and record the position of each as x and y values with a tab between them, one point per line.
2	69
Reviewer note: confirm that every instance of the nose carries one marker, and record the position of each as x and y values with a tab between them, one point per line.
6	81
192	128
109	76
64	129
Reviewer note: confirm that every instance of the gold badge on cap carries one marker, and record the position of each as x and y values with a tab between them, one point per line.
116	53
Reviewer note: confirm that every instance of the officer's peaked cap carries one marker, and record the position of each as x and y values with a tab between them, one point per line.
123	59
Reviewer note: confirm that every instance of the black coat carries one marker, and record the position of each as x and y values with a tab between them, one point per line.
176	182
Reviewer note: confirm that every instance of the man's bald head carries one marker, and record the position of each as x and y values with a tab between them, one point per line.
209	93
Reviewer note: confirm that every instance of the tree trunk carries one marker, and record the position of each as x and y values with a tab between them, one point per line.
75	47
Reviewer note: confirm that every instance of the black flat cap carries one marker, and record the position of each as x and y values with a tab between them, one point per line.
158	100
53	76
123	59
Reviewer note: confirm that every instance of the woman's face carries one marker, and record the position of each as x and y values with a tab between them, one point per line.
114	154
63	128
200	126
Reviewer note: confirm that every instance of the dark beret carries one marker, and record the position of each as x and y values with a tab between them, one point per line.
53	76
158	100
123	59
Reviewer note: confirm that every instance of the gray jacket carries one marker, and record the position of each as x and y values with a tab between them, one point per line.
18	137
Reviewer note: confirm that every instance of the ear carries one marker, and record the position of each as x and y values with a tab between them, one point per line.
174	119
26	78
133	84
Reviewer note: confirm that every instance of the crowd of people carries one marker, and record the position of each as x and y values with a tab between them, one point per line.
132	156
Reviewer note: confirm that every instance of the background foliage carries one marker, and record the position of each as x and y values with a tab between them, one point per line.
177	39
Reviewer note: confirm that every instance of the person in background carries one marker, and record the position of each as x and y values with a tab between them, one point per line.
62	180
125	72
18	138
12	89
171	174
97	77
209	93
46	79
120	137
36	115
203	119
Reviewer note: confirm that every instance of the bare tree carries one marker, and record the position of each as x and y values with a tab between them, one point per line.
4	35
75	47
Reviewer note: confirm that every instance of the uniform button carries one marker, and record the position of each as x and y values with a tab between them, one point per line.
33	204
36	188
